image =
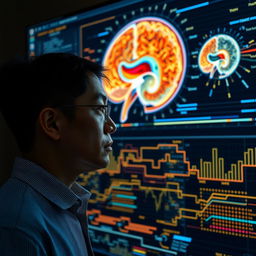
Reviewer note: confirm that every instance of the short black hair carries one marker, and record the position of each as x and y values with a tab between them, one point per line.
27	86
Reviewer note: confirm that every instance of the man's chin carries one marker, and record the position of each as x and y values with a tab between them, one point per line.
104	164
87	166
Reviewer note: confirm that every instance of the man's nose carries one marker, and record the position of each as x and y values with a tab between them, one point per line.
110	126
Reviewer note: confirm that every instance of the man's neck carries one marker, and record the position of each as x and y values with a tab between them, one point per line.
54	166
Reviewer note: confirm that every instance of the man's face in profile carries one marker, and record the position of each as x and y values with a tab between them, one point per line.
87	137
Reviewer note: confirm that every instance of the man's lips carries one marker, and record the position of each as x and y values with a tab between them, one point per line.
108	146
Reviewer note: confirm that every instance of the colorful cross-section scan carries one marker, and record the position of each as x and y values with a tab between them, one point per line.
145	60
219	56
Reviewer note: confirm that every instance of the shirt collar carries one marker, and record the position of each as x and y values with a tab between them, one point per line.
49	186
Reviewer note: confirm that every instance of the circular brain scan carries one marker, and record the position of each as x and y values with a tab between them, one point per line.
145	60
219	56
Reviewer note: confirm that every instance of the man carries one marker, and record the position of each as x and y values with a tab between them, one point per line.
59	114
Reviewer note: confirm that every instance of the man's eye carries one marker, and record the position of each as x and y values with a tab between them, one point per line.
101	108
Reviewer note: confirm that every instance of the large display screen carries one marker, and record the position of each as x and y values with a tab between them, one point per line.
182	175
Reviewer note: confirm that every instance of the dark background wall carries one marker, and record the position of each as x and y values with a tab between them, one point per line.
15	15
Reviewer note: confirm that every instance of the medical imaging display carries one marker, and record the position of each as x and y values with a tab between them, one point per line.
182	86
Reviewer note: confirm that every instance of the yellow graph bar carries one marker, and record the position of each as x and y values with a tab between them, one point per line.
240	162
213	160
248	157
215	163
201	168
221	163
220	171
233	169
209	169
245	157
250	152
206	170
254	157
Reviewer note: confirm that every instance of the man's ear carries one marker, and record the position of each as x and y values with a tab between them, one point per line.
50	122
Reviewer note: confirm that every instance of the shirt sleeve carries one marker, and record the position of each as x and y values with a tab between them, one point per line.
17	243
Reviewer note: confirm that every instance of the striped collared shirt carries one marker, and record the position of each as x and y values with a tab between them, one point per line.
40	215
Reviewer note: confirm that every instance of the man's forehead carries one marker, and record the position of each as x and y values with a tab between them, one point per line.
95	88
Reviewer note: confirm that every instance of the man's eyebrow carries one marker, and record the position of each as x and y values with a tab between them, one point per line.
100	96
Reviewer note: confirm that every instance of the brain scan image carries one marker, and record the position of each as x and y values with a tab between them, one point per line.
146	60
219	56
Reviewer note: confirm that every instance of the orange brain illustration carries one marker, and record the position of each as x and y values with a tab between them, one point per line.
145	60
219	56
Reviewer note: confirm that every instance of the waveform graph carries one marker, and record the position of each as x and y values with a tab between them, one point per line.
146	60
157	194
117	247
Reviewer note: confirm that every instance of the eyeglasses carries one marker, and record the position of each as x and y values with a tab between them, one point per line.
105	109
